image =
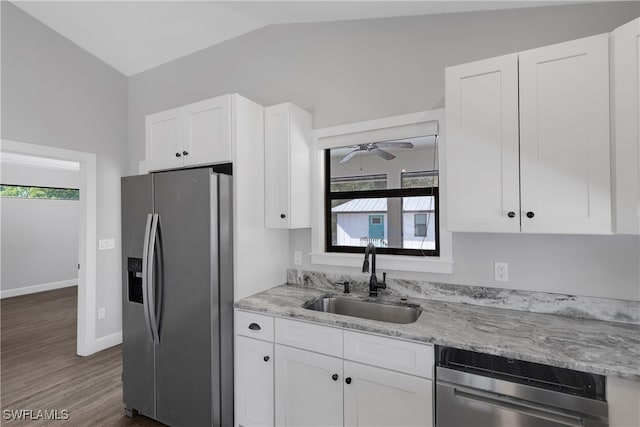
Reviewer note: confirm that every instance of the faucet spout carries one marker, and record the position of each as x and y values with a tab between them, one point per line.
370	249
373	280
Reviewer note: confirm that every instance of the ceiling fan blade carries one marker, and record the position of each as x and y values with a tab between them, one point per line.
349	156
396	144
381	153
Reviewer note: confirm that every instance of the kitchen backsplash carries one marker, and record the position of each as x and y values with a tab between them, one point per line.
612	310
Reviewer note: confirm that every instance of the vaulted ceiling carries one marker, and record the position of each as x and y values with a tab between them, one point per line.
134	36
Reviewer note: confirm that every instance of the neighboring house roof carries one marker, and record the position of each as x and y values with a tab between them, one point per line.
409	204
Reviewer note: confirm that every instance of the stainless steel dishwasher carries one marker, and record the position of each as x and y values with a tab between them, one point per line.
477	390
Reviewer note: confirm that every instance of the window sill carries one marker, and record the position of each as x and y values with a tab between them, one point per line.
387	262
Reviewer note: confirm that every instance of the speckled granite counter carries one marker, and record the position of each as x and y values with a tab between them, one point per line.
595	346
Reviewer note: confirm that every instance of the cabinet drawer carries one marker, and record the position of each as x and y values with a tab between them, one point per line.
254	325
321	339
403	356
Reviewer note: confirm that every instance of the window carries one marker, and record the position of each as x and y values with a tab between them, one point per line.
420	225
30	192
384	193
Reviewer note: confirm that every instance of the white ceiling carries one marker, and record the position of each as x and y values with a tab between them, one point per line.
134	36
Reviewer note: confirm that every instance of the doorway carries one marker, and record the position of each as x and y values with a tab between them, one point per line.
86	313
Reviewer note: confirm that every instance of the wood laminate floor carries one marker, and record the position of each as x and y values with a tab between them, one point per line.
39	368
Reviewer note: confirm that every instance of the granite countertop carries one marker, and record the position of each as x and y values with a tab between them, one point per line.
595	346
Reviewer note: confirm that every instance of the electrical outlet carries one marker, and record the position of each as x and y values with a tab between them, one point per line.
297	258
501	272
102	313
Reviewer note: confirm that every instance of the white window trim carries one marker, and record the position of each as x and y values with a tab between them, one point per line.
404	126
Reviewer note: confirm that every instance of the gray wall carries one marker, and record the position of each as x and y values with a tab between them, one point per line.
39	240
359	70
56	94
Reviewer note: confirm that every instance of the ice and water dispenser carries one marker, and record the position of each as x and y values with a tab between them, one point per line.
134	278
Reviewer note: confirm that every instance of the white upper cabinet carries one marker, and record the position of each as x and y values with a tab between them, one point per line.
626	123
207	131
564	138
194	134
287	176
528	141
482	146
163	140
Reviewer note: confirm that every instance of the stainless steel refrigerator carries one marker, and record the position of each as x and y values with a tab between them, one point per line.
177	297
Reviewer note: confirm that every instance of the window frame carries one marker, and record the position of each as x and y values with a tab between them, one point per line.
388	128
375	194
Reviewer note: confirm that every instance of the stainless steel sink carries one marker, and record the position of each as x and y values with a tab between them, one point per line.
384	312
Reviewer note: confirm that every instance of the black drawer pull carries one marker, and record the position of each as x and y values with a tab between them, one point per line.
254	327
348	380
266	358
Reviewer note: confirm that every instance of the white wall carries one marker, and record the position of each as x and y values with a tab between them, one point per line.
351	71
39	243
25	174
39	240
56	94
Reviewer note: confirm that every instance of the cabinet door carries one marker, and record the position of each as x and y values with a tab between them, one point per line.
378	397
482	146
163	140
564	137
626	122
277	165
308	388
253	382
207	131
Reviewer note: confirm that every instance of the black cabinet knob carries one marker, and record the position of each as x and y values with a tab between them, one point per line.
178	154
530	214
334	377
266	358
254	327
185	153
511	214
348	380
283	216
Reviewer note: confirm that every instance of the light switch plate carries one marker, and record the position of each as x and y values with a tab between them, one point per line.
106	244
102	313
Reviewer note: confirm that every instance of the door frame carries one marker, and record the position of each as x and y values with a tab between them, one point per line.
86	324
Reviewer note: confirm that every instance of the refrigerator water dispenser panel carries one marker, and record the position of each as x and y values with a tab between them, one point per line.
134	274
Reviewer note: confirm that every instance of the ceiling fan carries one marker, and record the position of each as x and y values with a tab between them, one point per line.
376	148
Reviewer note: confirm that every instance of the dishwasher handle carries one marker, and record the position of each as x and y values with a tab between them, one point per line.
525	407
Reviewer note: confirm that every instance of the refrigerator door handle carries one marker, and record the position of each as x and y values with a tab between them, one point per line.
145	278
150	280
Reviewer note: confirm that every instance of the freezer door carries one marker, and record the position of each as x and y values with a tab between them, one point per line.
138	364
186	203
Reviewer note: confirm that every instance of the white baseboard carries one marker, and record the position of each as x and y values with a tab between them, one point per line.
107	341
37	288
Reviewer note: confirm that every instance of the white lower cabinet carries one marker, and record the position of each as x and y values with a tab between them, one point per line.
379	397
308	388
253	382
316	375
